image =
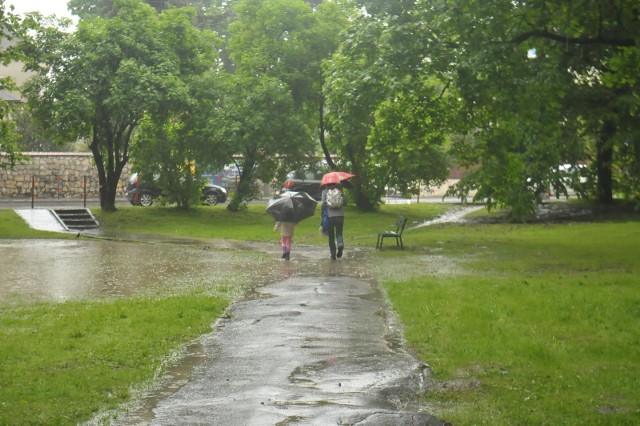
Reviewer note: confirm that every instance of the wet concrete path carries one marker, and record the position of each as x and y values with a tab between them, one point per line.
307	350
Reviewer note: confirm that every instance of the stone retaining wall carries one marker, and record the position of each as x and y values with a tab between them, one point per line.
54	175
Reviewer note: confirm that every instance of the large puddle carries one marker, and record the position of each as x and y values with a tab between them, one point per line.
59	270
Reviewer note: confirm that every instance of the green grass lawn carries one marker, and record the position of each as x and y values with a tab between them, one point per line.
216	222
534	324
62	363
521	324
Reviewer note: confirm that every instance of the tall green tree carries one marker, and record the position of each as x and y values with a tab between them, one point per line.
11	29
100	81
541	83
323	38
544	83
177	146
258	119
275	47
388	109
174	152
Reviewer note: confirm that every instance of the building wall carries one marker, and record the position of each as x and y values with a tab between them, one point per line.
54	175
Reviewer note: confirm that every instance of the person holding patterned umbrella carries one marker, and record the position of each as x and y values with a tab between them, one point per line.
286	237
288	209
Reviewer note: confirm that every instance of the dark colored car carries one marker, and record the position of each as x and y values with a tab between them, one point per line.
307	181
143	195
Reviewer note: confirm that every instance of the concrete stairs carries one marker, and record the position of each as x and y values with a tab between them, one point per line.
75	219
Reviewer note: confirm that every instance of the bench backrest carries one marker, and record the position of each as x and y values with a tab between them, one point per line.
400	224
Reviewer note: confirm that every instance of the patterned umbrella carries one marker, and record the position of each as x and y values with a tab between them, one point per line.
335	177
292	206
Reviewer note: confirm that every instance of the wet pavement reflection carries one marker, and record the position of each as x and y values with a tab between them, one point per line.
310	350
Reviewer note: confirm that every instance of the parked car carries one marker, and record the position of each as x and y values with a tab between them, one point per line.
142	194
565	179
307	181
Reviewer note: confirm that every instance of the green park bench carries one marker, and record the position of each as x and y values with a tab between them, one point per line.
397	234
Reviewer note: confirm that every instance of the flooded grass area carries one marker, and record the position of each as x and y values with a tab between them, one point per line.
81	307
96	269
55	270
86	325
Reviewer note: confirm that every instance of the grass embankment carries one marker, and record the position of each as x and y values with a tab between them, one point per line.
534	324
13	226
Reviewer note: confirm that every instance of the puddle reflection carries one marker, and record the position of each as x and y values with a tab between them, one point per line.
63	270
59	270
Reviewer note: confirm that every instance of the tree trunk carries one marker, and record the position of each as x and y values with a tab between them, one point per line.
108	197
362	202
107	178
102	176
604	161
111	186
321	127
244	190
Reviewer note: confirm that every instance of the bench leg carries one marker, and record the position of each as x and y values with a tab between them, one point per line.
401	245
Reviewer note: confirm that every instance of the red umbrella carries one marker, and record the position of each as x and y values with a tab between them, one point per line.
335	177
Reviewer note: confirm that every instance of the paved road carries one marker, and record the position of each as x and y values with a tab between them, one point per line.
50	203
306	350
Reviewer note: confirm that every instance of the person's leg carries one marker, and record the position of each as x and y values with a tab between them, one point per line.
283	243
339	223
289	242
332	238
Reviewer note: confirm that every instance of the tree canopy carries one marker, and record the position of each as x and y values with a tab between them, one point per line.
10	33
103	79
108	8
544	83
394	92
276	50
389	112
539	84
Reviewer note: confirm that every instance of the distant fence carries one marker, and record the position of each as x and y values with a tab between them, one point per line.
69	175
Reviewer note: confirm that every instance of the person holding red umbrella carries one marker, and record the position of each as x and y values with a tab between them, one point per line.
333	201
